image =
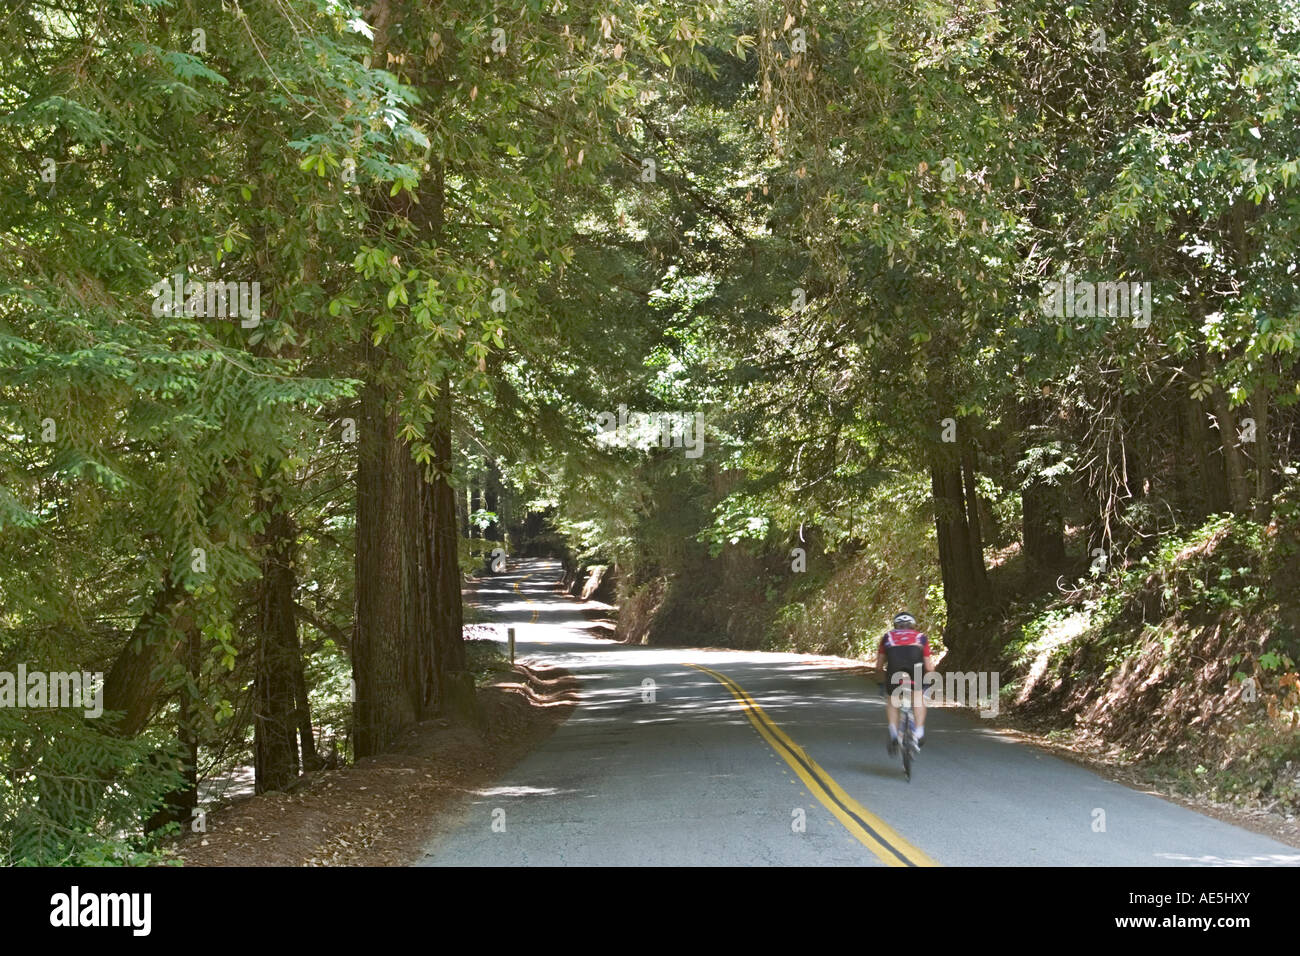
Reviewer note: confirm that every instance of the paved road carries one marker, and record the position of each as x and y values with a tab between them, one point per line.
703	757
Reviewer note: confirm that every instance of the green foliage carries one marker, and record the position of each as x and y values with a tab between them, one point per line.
73	795
484	659
851	599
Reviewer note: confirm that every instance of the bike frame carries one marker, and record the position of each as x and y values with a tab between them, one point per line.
905	731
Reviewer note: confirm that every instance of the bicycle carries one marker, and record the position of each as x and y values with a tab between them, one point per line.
907	742
906	739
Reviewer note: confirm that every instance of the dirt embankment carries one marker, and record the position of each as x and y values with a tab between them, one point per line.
1188	683
382	810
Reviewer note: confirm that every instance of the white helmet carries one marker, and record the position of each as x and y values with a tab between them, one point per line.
904	622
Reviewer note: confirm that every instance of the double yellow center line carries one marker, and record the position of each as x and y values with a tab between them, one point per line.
876	835
533	619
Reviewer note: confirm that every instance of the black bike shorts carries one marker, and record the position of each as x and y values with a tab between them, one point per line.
907	661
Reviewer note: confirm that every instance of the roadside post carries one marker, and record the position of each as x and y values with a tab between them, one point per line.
511	632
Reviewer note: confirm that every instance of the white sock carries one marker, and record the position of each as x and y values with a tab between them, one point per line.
893	732
919	732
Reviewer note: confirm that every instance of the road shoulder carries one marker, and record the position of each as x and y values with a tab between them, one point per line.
382	811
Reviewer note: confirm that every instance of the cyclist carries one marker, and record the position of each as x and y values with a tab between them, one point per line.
901	650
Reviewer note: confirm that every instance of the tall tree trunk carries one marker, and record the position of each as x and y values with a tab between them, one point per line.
279	659
456	684
379	643
417	584
381	648
963	574
402	641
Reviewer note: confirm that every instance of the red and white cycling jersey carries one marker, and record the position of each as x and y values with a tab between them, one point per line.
897	638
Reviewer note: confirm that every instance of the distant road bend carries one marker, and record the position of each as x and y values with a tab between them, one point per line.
717	757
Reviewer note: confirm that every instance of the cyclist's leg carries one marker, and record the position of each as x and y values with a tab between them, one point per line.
891	714
916	673
891	711
918	715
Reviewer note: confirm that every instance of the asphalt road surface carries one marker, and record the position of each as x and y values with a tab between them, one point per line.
714	757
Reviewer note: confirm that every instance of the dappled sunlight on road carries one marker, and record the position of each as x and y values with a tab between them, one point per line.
520	791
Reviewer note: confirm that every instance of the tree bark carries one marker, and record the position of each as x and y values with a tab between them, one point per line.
386	682
379	643
276	715
417	620
964	582
137	676
455	683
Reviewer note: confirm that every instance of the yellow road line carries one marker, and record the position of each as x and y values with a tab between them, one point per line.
533	619
876	835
